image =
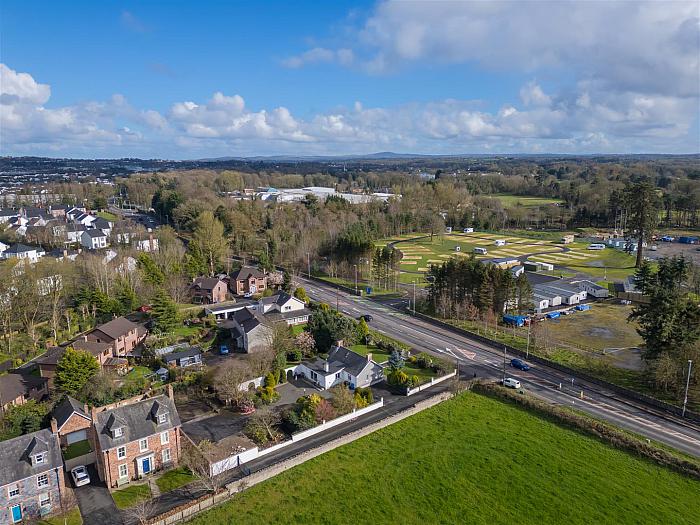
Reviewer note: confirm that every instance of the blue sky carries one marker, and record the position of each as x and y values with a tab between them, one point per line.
185	79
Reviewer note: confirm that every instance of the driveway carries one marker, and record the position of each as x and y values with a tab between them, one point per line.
95	502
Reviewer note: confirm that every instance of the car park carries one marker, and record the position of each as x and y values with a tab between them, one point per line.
519	364
80	476
511	383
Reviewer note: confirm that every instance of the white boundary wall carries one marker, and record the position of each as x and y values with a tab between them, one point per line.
433	381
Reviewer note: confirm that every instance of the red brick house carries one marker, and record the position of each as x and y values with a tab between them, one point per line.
48	362
70	420
247	280
17	389
120	333
208	290
136	438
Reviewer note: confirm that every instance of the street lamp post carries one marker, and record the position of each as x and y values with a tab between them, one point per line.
527	349
355	278
504	364
687	384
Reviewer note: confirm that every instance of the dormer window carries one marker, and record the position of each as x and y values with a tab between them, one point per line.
117	432
40	458
162	419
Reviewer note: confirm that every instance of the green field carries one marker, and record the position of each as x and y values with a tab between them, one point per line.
420	253
469	460
526	202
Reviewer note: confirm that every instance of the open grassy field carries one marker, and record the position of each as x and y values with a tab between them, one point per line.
419	254
472	459
524	201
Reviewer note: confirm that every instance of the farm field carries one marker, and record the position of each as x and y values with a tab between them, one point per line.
419	254
471	459
524	201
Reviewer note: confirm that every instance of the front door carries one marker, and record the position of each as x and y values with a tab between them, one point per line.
146	465
16	513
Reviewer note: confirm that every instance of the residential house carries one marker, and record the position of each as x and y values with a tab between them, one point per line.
146	245
343	366
121	334
18	388
74	232
63	254
85	219
250	331
93	239
136	439
190	357
247	280
284	307
3	247
58	211
7	213
24	252
208	290
31	477
103	224
70	421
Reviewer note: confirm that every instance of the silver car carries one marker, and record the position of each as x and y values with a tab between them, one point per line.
80	476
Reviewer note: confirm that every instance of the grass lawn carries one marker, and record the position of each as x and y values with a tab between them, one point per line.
378	355
174	478
107	216
131	495
298	328
69	518
77	449
472	459
424	374
603	326
525	201
183	332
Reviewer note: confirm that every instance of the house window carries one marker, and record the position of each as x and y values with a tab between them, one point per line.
13	490
166	455
118	432
40	458
143	444
337	376
164	438
162	418
42	480
123	471
44	500
121	452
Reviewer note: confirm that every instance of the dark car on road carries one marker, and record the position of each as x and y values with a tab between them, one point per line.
368	318
520	365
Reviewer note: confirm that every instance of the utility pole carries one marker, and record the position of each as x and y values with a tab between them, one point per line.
687	384
527	349
414	297
337	299
308	264
504	364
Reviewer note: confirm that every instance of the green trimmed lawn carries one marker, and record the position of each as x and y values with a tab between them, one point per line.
298	328
524	201
69	518
131	495
77	449
472	460
174	479
379	356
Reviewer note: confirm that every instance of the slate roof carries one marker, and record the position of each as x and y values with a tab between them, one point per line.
245	272
206	283
95	233
353	362
175	356
248	318
101	223
319	365
14	385
8	212
279	298
116	328
283	316
15	464
66	408
20	248
137	420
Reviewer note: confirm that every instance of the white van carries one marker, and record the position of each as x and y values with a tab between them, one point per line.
468	230
480	251
511	383
500	242
596	246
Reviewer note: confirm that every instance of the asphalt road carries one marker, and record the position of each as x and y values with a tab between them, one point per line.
487	361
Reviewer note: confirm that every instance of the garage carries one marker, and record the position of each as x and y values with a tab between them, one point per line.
74	437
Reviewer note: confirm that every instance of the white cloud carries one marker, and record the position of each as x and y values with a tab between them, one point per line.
586	119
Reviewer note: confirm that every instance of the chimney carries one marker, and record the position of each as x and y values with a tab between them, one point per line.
84	338
171	395
369	357
326	366
54	425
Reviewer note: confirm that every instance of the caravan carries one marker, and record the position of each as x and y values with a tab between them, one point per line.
596	246
500	242
480	251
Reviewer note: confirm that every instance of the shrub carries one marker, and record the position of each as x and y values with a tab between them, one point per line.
324	411
267	395
270	380
295	355
282	376
397	377
363	397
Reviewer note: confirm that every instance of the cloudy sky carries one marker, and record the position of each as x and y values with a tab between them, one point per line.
204	79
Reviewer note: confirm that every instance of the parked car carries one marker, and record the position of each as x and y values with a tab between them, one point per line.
248	295
368	318
520	365
223	350
80	476
511	383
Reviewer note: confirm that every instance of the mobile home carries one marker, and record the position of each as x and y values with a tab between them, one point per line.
480	251
596	246
500	242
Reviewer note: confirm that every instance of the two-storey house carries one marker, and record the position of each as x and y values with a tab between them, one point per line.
120	333
247	280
